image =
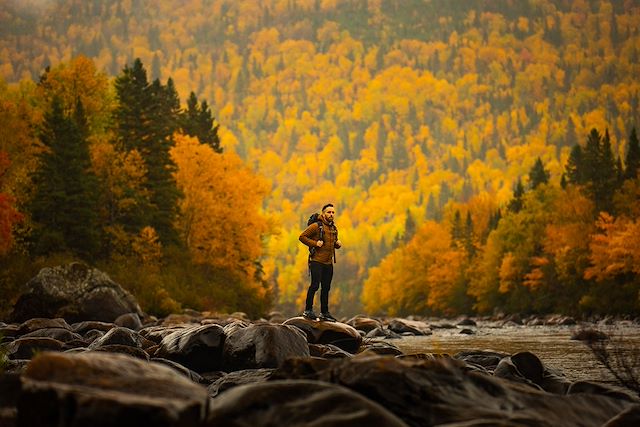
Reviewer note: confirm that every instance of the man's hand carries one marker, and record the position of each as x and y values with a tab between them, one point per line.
319	243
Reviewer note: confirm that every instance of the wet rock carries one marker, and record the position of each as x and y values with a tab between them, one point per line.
487	359
64	335
382	348
601	389
276	317
589	335
158	333
438	392
363	323
118	336
35	324
93	335
327	351
9	331
129	320
236	378
297	404
382	333
466	322
263	346
414	327
74	292
506	369
628	417
136	352
90	325
467	331
26	348
336	333
197	347
183	370
567	321
105	389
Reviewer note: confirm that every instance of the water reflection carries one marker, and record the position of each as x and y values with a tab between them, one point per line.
552	344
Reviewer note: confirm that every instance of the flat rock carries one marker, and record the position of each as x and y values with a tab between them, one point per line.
297	404
415	327
236	378
336	333
105	389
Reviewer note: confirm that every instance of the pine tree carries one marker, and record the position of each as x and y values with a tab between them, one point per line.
409	227
574	170
538	175
147	116
198	121
515	205
64	203
632	160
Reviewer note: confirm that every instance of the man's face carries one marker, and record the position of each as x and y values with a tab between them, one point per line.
329	213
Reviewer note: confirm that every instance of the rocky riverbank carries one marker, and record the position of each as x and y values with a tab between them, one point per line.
70	366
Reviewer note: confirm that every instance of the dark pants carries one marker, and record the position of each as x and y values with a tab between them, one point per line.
321	275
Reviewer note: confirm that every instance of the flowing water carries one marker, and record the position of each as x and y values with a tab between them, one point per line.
552	344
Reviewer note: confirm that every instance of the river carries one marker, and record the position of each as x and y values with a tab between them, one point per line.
552	344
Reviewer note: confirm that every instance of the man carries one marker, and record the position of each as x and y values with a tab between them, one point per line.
322	238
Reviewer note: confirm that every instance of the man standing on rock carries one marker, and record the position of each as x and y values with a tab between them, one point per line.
321	236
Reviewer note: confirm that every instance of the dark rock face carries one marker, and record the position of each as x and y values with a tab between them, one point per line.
336	333
442	392
413	327
236	378
105	389
197	347
74	292
263	346
297	404
26	348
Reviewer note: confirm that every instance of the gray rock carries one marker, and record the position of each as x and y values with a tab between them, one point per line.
236	378
26	348
197	347
119	336
297	404
106	389
415	327
382	333
74	292
263	346
336	333
129	320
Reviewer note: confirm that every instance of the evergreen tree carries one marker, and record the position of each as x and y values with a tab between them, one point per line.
457	231
468	236
632	160
63	207
198	121
146	117
409	227
538	175
515	205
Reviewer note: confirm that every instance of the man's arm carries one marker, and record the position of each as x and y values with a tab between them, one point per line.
308	236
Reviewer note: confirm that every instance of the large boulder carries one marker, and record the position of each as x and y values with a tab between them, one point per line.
336	333
103	389
236	378
297	404
444	391
199	348
263	346
74	292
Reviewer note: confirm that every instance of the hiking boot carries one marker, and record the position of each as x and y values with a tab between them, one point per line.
310	314
328	317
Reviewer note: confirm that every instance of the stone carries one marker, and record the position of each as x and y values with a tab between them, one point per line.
336	333
363	323
444	392
487	359
158	333
467	331
414	327
74	292
263	346
105	389
32	325
327	351
136	352
602	389
60	334
197	347
183	370
382	333
91	325
129	320
628	417
466	321
26	348
589	335
236	378
297	404
119	336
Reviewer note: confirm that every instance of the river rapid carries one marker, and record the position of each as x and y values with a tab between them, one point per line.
552	344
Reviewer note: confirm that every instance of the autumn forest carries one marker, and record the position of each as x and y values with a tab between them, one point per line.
482	155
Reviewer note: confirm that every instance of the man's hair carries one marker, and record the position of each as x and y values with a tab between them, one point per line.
328	205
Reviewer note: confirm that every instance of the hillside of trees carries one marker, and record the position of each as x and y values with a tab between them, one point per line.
423	120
